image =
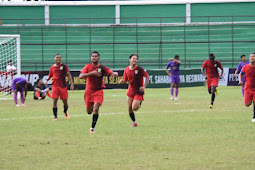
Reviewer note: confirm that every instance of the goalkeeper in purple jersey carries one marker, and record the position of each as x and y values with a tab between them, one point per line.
174	75
20	84
239	68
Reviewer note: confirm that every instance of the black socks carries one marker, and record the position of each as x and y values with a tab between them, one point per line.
94	120
212	99
65	110
132	116
55	112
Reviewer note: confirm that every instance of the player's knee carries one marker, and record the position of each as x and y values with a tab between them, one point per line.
135	108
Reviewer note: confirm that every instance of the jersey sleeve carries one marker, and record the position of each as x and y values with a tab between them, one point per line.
144	73
239	67
125	75
66	68
204	65
243	70
107	71
84	69
168	65
50	72
220	65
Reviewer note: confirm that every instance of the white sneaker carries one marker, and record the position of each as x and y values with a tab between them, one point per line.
22	105
17	105
171	98
175	98
253	120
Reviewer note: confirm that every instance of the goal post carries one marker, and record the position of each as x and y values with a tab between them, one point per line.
10	64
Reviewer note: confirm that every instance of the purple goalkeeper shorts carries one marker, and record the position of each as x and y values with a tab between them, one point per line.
175	79
20	89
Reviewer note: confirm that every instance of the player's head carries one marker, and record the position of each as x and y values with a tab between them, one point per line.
10	62
28	86
177	57
252	57
211	56
57	58
243	58
95	57
133	59
39	81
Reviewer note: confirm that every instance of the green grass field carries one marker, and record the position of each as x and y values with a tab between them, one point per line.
183	134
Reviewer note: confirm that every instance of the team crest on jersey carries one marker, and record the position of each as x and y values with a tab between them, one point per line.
136	71
61	67
215	65
99	70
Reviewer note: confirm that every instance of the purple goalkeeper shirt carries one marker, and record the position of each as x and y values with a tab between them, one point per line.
174	67
240	65
21	82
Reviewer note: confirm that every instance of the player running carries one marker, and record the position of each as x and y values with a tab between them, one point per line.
249	88
94	95
174	75
134	75
58	73
41	90
212	76
20	84
239	68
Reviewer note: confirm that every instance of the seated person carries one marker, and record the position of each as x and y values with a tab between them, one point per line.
41	90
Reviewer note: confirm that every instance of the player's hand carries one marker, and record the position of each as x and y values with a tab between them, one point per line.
122	81
72	87
15	91
46	82
141	89
170	74
170	59
240	83
115	74
234	75
206	77
96	73
220	77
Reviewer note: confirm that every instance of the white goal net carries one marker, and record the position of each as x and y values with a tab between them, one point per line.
9	63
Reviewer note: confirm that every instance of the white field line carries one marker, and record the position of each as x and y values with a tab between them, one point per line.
107	114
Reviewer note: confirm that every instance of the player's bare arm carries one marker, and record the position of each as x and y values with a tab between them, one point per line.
114	74
70	79
92	73
222	72
203	72
240	79
142	89
167	71
236	73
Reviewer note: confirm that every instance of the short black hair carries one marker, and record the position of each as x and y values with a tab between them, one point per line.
212	55
176	56
56	55
29	86
242	56
253	53
95	52
133	55
10	61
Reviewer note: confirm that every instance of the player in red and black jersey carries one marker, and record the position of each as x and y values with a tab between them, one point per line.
58	73
94	96
249	87
212	76
134	75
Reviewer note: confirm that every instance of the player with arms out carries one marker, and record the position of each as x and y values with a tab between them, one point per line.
134	75
212	76
20	84
249	88
58	73
239	68
174	75
94	95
